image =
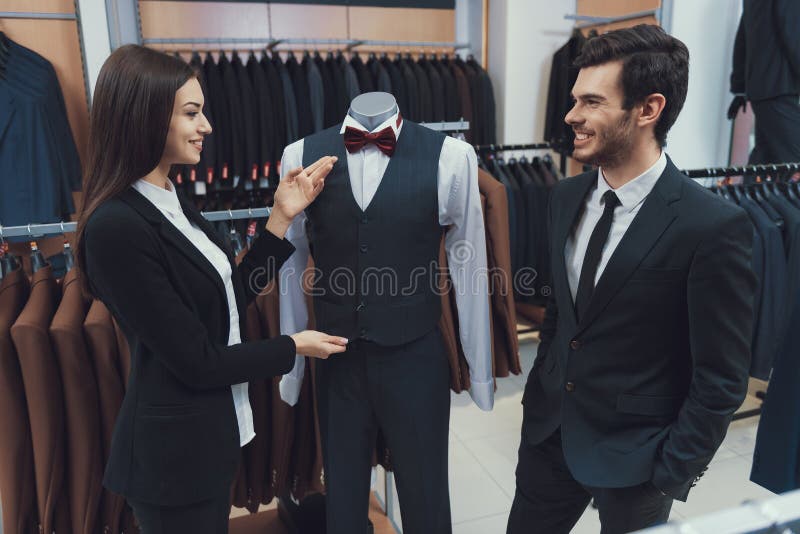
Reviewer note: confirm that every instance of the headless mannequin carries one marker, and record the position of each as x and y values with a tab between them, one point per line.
372	109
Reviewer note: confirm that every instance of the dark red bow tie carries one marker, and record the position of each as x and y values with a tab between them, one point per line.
355	139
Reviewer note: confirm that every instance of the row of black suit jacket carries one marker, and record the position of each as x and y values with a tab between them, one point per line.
528	184
559	100
774	210
39	164
259	104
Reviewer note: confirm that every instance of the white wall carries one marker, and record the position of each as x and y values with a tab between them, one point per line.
94	28
701	136
523	36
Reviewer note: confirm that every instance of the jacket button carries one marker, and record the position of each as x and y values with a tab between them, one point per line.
364	248
360	306
363	332
570	387
575	344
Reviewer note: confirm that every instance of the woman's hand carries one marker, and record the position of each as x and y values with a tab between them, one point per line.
296	191
317	344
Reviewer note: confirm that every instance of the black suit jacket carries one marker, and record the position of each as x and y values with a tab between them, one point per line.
249	127
365	81
645	385
176	439
766	53
263	115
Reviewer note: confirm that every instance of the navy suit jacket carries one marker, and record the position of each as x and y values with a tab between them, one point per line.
38	159
644	386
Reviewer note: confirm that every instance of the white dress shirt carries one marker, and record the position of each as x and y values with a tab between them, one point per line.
631	197
465	243
167	203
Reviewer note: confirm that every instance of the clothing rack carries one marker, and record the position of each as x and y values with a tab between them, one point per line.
35	15
271	43
38	230
721	172
562	164
591	20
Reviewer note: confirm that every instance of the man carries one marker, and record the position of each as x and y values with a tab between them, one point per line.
645	345
766	71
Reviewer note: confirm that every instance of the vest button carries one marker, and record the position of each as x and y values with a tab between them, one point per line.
570	387
360	306
364	248
363	332
364	220
575	344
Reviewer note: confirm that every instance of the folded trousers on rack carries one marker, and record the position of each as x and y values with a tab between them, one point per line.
405	392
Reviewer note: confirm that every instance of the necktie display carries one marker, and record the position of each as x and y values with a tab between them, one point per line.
594	251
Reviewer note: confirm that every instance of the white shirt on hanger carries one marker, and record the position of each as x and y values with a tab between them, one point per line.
631	197
465	243
168	204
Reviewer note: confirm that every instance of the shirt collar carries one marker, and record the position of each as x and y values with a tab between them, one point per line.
164	200
634	192
395	121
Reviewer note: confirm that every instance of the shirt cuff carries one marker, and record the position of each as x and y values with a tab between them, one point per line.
290	389
482	394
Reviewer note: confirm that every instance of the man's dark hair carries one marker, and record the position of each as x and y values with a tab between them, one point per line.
652	62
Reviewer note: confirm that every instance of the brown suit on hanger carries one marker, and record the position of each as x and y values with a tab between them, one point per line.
129	523
448	326
102	344
504	317
17	481
282	438
45	397
84	468
255	453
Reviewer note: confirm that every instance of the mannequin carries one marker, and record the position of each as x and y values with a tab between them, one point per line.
372	109
395	190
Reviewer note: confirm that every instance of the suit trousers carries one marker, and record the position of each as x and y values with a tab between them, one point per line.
777	130
204	517
405	392
549	500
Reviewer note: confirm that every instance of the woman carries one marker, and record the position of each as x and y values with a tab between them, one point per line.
171	284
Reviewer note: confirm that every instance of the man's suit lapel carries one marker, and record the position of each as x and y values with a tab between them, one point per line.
170	233
650	223
571	208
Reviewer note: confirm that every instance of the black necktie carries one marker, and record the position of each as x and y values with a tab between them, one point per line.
593	253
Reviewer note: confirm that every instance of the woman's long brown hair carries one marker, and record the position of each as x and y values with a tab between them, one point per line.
130	117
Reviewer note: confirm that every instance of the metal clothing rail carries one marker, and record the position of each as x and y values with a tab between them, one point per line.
457	126
35	15
562	164
273	42
591	20
37	230
502	148
721	172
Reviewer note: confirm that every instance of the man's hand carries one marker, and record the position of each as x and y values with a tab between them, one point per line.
738	104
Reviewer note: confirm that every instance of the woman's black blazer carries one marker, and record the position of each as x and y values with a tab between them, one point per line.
176	439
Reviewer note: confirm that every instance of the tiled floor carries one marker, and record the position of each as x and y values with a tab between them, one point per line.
483	455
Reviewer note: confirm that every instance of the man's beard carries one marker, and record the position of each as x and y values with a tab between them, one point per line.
615	143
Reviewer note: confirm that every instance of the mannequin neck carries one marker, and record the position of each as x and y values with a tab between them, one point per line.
370	110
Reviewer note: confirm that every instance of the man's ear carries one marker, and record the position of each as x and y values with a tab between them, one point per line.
652	107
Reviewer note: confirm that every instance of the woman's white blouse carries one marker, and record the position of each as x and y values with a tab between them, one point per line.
167	203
